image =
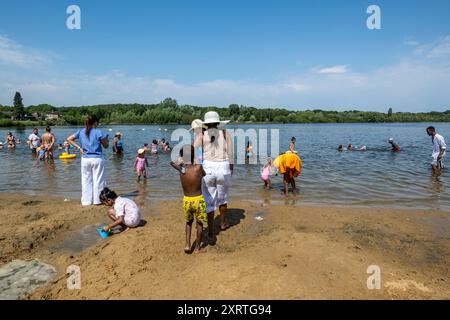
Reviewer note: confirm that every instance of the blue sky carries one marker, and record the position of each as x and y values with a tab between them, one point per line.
294	54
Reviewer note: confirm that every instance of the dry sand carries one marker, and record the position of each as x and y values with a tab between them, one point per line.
293	253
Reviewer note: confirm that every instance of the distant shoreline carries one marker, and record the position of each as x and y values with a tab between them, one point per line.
27	124
169	111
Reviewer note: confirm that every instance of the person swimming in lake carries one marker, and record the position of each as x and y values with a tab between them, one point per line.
48	142
395	146
248	152
342	148
194	205
154	147
67	147
41	152
266	172
117	144
34	141
350	147
166	147
125	212
11	140
292	145
140	165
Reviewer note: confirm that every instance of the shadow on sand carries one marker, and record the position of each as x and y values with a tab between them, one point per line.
234	217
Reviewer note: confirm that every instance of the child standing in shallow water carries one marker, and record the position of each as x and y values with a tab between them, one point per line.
266	171
194	205
125	212
140	165
154	147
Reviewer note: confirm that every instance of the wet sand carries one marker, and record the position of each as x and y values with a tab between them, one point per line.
293	253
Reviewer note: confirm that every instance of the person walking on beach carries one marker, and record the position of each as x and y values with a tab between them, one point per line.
218	163
439	148
194	205
117	145
395	146
48	142
34	141
92	163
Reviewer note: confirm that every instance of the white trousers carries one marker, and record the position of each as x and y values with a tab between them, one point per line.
215	184
92	180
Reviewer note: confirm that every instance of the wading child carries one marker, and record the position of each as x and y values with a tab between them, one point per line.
266	172
140	165
194	205
125	212
292	145
154	147
66	147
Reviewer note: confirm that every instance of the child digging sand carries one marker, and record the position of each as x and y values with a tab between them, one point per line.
125	212
140	165
194	205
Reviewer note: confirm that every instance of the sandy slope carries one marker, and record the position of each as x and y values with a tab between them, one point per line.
294	253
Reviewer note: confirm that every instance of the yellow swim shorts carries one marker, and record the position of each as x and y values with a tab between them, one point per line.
195	207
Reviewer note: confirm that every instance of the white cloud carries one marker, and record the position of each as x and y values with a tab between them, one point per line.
435	50
333	70
11	53
415	83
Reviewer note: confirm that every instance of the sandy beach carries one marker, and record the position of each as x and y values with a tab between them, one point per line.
293	253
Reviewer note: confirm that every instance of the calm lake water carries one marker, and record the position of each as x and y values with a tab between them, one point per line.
375	177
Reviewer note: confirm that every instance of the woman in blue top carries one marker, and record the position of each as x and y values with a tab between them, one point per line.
92	163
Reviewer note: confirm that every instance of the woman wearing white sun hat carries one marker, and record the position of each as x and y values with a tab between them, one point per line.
218	163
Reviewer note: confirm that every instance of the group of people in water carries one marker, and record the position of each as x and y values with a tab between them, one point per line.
205	170
350	147
438	153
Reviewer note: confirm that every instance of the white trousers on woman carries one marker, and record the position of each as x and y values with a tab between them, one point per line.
92	180
215	184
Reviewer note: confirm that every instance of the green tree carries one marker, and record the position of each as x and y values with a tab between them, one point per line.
19	110
390	112
169	103
233	109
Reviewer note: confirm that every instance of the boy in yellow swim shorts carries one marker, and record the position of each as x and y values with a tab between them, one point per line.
194	205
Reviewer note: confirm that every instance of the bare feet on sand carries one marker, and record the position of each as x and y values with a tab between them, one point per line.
199	250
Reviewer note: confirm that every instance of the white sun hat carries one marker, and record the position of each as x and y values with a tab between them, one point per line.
141	151
196	124
213	117
391	139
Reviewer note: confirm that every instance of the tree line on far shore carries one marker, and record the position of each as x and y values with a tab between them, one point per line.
169	111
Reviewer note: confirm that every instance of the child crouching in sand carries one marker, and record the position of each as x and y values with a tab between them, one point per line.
125	212
194	205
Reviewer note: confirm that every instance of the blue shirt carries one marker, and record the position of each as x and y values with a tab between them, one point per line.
91	146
